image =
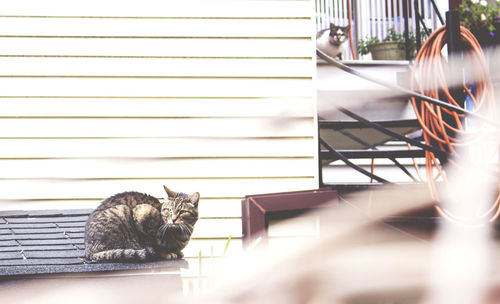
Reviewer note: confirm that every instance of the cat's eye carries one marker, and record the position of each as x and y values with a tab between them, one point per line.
168	210
185	214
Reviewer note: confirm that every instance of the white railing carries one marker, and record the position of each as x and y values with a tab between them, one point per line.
373	18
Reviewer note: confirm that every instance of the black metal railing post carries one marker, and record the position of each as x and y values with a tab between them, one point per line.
407	30
436	9
418	19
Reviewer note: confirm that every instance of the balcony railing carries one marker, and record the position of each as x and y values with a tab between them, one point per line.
373	18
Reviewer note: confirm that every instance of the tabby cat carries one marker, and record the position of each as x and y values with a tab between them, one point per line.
333	41
136	226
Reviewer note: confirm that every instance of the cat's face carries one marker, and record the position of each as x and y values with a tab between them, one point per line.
179	213
180	208
338	34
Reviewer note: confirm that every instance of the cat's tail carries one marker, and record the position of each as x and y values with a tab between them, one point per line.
121	255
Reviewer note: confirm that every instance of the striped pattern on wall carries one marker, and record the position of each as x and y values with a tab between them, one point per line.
374	18
98	97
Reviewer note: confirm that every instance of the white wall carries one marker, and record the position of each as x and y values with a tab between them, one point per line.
98	97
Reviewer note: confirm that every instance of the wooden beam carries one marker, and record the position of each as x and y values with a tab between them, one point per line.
454	3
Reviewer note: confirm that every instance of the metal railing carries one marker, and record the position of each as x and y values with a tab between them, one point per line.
329	153
373	18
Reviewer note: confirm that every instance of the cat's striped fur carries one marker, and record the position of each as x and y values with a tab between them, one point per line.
136	226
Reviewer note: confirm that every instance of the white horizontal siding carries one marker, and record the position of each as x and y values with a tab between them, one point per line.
155	127
156	168
212	248
144	148
99	188
153	87
157	107
215	228
161	67
161	27
99	97
171	47
160	8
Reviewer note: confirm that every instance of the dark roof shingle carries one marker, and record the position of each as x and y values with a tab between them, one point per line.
52	241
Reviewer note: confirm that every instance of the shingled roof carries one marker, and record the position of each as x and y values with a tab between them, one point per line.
52	241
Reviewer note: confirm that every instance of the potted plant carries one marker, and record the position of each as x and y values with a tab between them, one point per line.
482	19
392	47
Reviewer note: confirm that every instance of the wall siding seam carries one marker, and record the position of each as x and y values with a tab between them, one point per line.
158	77
158	17
151	57
157	37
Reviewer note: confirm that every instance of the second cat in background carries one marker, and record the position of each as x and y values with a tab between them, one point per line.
333	41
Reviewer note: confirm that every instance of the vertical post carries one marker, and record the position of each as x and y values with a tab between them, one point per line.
390	15
407	29
453	32
320	162
355	26
383	17
417	17
436	10
453	3
454	43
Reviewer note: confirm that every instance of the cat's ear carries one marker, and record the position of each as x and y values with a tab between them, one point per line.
170	193
194	199
347	28
332	26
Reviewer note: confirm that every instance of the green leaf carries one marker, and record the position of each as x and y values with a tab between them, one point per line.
227	245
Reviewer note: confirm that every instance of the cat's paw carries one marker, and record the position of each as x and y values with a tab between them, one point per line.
172	255
169	256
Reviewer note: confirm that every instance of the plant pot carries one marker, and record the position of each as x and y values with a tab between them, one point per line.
387	50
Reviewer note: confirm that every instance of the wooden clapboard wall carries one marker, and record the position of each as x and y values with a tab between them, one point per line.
98	97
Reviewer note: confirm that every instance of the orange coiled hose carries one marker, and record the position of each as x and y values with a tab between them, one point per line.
445	128
349	20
